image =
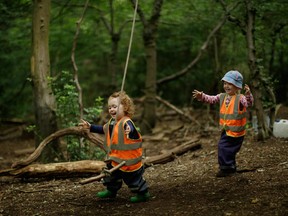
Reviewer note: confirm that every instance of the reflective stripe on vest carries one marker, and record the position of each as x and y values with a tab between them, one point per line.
129	162
118	144
233	120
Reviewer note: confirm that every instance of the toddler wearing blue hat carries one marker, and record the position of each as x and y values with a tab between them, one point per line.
232	119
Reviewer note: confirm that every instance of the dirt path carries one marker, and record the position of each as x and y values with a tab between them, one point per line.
186	186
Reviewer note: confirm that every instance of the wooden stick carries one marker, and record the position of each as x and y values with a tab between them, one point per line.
102	175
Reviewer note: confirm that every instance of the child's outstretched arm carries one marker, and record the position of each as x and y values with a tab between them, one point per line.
200	96
93	128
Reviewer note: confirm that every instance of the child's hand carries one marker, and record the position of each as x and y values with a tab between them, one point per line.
127	129
197	94
84	124
247	89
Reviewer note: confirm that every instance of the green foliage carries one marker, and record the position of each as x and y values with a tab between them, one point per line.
92	112
267	82
33	129
66	99
181	33
68	112
15	28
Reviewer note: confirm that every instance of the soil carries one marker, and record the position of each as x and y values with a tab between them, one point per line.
185	186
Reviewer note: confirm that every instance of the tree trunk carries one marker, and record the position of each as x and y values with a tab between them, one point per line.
44	101
112	64
149	115
76	77
263	129
150	28
115	38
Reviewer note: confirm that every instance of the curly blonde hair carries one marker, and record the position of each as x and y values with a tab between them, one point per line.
126	101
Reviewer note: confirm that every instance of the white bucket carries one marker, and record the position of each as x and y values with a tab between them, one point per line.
280	128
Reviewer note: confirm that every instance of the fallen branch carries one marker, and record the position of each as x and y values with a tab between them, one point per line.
78	131
71	169
81	168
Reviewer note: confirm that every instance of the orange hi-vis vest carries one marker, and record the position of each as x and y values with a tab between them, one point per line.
232	119
120	147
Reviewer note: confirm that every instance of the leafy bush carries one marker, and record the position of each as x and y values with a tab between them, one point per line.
68	115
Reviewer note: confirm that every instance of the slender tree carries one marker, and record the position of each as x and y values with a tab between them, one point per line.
254	67
150	27
44	101
259	84
115	37
76	77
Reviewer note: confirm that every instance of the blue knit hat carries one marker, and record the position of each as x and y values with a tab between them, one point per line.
233	77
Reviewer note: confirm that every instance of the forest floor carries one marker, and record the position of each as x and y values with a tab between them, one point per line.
185	186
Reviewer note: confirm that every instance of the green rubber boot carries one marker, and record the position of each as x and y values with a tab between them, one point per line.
106	194
140	198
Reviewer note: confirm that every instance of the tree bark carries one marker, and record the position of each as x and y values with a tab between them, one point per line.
150	28
76	79
263	129
44	101
65	169
149	115
115	36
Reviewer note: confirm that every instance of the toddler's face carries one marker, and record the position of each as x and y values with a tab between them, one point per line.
230	88
113	108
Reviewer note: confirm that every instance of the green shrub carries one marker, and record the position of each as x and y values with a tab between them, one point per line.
68	115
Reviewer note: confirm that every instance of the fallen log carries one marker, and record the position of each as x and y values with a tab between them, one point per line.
81	168
65	169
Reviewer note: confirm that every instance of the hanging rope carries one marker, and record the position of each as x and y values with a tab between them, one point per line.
129	48
127	59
